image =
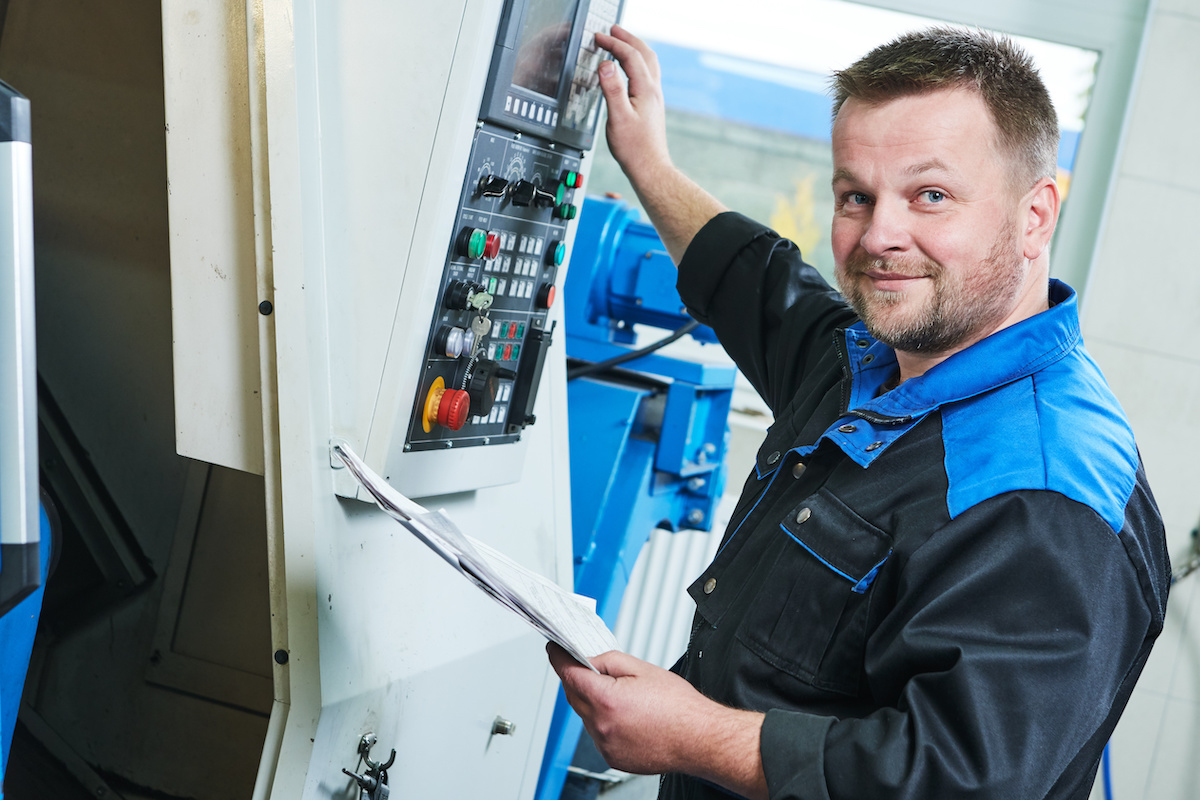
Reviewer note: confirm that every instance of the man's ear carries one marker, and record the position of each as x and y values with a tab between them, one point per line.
1040	208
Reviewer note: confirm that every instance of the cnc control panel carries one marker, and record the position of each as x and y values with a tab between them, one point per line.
489	336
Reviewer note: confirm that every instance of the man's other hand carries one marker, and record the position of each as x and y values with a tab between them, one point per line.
647	720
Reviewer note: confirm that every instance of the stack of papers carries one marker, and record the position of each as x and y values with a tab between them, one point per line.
564	618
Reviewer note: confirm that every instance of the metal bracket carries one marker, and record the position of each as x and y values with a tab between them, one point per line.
373	785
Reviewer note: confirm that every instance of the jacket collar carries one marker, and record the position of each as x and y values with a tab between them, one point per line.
869	424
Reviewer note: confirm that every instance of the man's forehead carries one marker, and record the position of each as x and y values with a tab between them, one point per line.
918	129
917	169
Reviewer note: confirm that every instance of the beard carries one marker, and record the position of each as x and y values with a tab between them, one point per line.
965	304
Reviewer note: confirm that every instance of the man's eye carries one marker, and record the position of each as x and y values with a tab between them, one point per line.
857	199
933	196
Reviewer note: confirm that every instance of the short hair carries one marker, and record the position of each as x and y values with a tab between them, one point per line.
946	57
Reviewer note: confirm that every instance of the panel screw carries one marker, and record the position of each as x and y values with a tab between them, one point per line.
265	307
281	657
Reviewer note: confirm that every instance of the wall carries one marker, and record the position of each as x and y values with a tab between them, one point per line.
1140	318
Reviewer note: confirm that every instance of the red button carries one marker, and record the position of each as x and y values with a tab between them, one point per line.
453	408
512	331
507	352
491	248
545	296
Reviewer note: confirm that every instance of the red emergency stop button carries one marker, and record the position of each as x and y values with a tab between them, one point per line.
446	407
545	295
452	409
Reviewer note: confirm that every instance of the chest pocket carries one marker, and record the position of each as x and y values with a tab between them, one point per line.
808	617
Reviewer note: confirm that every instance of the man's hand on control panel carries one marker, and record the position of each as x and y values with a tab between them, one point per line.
637	137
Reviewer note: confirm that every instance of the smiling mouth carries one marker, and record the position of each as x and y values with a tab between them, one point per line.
891	280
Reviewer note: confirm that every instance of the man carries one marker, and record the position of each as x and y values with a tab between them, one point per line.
946	569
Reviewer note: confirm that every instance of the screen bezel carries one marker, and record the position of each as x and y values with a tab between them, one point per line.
500	84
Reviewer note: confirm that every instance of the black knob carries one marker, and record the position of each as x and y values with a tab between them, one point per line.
482	387
491	186
459	294
522	192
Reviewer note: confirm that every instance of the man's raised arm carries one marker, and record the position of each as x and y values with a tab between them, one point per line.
637	137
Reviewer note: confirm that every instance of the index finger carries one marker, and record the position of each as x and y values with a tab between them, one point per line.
636	57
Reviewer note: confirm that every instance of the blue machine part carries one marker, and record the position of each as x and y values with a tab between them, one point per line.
17	630
647	442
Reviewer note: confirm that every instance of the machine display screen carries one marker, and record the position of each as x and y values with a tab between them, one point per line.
542	50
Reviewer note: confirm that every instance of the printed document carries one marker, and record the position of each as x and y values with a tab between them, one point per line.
564	618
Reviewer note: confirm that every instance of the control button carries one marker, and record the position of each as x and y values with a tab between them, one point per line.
572	179
516	351
557	253
450	341
512	330
566	211
491	246
545	295
446	407
508	352
560	193
471	242
521	330
452	410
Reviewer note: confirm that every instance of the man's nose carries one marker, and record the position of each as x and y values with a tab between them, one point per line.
887	230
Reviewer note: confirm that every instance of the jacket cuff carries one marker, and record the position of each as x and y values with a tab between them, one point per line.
792	745
709	255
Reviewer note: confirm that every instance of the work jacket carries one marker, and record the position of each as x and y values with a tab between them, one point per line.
944	590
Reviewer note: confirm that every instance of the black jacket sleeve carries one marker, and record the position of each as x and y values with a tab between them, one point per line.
773	313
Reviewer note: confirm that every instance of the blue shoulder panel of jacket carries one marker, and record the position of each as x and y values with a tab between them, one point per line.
1059	429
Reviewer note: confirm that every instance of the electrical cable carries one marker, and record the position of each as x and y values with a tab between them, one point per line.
609	363
1106	770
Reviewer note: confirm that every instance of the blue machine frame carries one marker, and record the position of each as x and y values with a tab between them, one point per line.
647	442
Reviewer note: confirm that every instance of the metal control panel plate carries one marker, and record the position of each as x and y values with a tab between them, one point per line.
489	335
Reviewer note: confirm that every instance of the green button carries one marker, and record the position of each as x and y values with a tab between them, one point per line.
477	244
521	331
560	193
499	352
566	211
560	253
516	351
491	285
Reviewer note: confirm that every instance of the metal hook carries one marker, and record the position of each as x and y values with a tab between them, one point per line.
364	751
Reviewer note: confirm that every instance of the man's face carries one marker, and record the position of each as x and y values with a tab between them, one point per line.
925	225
